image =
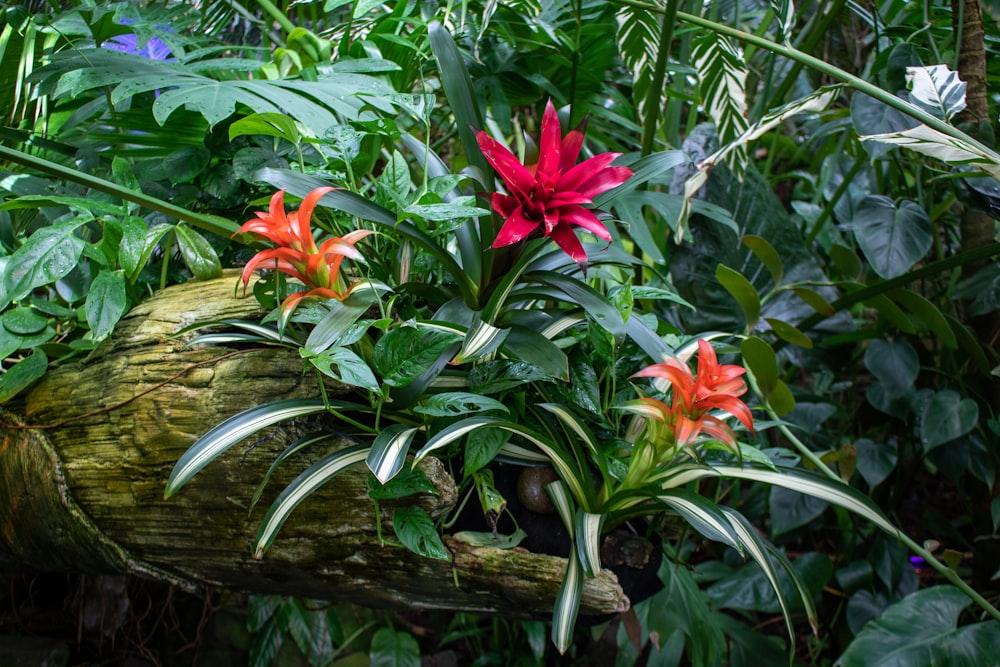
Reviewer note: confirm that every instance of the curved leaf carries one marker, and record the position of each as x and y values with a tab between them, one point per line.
388	452
300	488
218	440
893	238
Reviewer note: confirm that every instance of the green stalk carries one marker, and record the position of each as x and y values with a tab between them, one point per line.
276	14
209	223
910	543
659	73
853	81
934	268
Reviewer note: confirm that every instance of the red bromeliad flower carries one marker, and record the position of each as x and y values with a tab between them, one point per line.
297	254
716	387
548	197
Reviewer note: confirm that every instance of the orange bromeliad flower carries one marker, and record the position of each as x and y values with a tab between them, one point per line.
547	198
715	387
297	255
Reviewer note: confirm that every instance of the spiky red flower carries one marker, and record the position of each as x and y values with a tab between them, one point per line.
715	387
547	198
297	254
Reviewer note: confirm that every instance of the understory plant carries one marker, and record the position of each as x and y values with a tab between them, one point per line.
519	241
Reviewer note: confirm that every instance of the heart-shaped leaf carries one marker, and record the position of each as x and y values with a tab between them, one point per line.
946	416
893	238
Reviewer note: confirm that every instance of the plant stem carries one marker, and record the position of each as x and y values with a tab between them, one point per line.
276	14
659	73
853	81
209	223
857	296
910	543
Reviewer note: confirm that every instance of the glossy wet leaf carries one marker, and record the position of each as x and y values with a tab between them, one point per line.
22	375
198	254
402	354
47	255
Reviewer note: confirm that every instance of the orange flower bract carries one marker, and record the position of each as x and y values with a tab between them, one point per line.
297	255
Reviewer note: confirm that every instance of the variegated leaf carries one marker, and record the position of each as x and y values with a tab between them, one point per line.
818	101
930	142
388	453
300	488
937	90
784	11
639	45
722	74
218	440
588	541
567	604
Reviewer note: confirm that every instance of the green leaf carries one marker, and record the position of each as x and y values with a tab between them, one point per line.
219	439
928	313
791	510
482	447
876	460
704	515
131	244
404	353
24	321
301	488
48	255
762	362
741	290
388	452
409	482
587	536
106	302
343	365
455	403
335	324
532	348
489	539
767	255
815	301
268	124
22	375
597	306
481	339
390	648
198	254
946	416
789	333
416	530
894	363
493	377
922	629
892	237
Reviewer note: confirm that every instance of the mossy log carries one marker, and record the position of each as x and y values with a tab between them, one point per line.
85	457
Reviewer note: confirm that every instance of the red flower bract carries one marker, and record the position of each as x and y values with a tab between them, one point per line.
716	387
297	254
548	197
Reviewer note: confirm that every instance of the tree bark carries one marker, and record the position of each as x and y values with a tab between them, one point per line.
85	457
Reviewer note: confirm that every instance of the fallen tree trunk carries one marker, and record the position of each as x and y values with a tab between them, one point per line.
85	457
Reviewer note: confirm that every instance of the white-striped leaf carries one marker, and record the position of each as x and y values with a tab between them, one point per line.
218	440
760	551
579	483
567	604
823	488
300	488
588	541
930	142
639	46
722	78
703	515
561	499
289	451
334	325
518	454
784	11
482	339
388	452
561	324
580	430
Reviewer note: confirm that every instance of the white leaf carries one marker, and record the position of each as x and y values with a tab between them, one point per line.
930	142
936	89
